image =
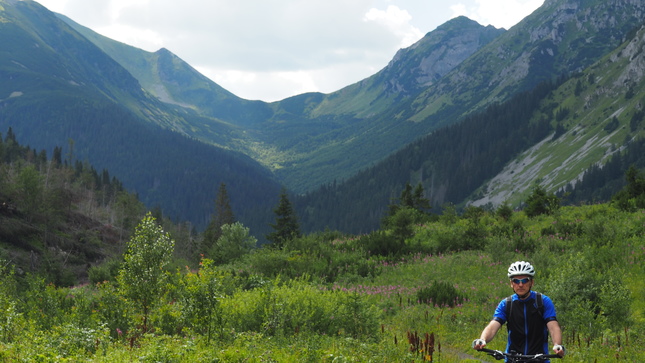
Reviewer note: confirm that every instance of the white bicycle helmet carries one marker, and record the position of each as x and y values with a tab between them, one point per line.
519	268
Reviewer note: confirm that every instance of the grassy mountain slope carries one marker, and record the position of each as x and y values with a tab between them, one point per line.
598	113
31	42
411	70
363	120
174	81
60	87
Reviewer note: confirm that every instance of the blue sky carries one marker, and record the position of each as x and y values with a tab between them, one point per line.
273	49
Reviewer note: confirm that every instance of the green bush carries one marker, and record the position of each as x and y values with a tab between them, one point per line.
11	320
541	202
106	271
440	294
201	297
293	307
114	311
381	244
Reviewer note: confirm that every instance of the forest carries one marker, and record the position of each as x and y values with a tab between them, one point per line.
87	273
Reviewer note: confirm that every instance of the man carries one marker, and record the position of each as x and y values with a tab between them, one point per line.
530	317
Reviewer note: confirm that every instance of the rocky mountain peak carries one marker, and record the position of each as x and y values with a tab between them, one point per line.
436	54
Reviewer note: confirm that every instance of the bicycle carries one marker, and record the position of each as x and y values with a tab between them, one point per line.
518	358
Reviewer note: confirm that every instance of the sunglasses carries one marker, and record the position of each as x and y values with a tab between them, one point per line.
522	281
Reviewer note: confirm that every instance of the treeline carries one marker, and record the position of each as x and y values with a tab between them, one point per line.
450	164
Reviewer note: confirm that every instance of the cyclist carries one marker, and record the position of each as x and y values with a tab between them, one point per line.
530	317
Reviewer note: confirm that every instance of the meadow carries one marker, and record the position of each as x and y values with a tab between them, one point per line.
328	297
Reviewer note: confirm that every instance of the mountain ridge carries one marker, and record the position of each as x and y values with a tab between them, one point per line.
303	124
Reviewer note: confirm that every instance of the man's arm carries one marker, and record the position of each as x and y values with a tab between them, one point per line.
489	333
556	335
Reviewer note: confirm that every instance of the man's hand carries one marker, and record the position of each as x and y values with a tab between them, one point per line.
559	350
479	344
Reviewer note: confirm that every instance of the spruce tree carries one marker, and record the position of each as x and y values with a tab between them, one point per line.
223	215
419	201
286	227
411	198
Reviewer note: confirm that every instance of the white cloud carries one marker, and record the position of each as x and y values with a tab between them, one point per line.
500	13
146	39
265	85
398	22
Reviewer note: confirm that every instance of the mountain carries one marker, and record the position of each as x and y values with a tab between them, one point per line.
583	130
366	119
561	37
171	80
450	112
299	137
353	128
599	115
60	89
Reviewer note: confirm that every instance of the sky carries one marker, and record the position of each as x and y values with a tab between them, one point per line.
272	49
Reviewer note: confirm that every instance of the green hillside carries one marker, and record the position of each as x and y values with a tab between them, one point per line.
598	113
60	89
558	39
301	138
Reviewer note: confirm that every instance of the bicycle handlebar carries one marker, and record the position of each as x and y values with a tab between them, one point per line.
498	354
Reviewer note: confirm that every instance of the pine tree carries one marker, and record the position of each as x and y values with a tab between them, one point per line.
411	198
419	201
223	215
286	227
541	202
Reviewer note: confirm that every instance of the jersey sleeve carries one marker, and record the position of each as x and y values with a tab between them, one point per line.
549	309
500	312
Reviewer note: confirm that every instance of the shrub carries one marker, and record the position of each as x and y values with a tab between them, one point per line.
107	271
381	244
114	310
11	321
440	294
201	296
286	309
71	339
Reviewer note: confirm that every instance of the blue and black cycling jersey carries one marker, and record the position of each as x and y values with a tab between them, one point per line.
527	331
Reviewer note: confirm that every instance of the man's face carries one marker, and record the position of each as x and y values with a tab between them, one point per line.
521	284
